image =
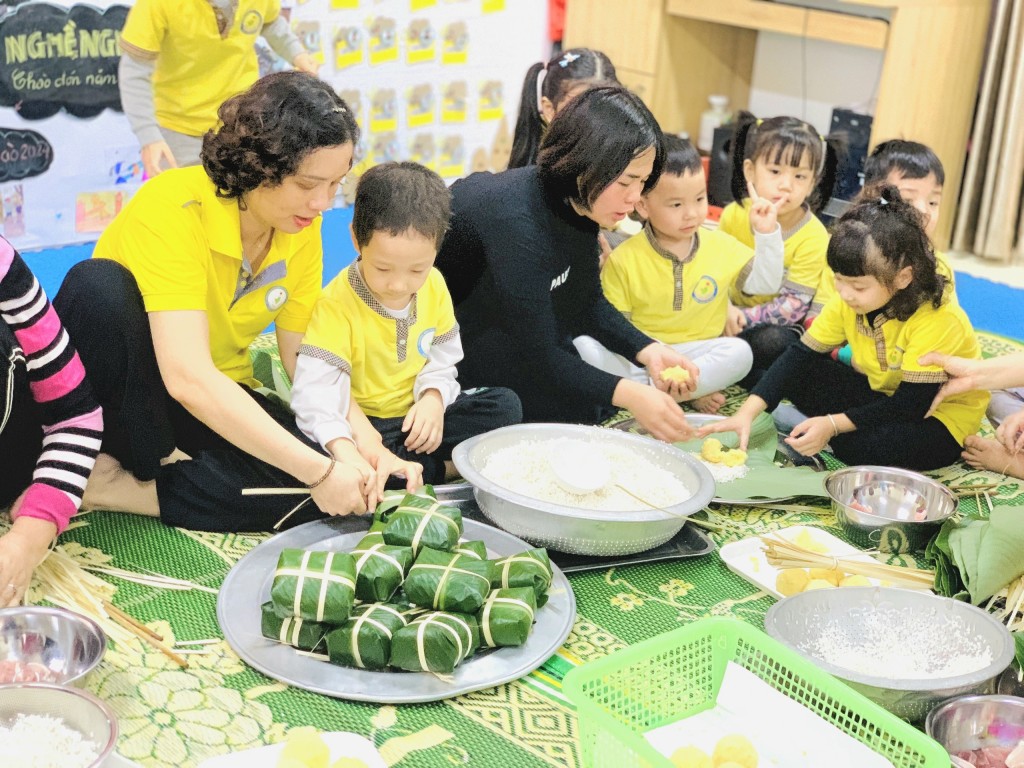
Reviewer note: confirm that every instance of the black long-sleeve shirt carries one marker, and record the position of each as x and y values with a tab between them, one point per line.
519	260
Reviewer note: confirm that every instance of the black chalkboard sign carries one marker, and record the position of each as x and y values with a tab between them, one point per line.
54	58
23	154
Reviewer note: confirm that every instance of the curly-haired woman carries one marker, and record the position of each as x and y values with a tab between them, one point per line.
199	262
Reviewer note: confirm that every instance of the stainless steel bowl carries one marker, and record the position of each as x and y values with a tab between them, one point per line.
48	645
893	510
841	616
80	711
967	723
575	530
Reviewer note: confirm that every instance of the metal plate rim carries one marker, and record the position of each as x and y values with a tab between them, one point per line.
247	587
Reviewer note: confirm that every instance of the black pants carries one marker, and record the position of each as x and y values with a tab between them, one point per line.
21	430
918	445
767	342
102	310
472	414
494	359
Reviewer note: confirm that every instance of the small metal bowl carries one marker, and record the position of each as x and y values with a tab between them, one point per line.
80	711
967	723
48	645
799	621
576	530
893	510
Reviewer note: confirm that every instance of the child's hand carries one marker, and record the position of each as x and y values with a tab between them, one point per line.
811	435
425	423
389	464
735	321
605	250
764	214
656	358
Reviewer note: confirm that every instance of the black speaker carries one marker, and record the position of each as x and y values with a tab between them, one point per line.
720	167
857	130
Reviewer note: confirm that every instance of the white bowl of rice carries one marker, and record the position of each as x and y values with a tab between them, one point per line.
651	489
52	726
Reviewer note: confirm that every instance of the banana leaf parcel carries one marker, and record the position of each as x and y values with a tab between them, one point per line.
531	568
392	500
305	635
373	536
316	586
380	570
507	617
422	522
435	642
475	549
448	582
364	641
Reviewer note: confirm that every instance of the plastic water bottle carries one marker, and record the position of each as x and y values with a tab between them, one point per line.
710	119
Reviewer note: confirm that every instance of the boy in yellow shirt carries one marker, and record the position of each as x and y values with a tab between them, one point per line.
383	334
672	280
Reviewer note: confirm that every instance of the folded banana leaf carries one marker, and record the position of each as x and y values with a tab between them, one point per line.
316	586
392	500
448	582
764	480
364	641
531	568
435	642
380	570
980	555
306	635
475	549
423	522
507	617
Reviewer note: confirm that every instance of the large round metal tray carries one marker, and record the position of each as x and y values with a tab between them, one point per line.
247	587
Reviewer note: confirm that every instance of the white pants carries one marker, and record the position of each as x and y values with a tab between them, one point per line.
722	361
1004	403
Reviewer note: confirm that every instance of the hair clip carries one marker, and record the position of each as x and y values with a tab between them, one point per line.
882	201
568	59
757	123
338	109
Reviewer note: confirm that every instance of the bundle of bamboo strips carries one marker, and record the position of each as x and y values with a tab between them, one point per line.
785	554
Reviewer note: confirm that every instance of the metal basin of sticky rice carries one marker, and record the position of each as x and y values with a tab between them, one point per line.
913	629
577	530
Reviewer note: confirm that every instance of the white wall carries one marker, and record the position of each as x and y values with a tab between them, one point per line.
808	78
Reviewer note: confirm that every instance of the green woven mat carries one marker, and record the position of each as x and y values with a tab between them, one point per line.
174	717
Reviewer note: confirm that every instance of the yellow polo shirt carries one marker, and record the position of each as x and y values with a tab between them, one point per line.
670	300
827	288
197	68
887	353
804	249
183	245
383	355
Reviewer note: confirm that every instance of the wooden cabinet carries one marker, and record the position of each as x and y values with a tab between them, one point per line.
681	51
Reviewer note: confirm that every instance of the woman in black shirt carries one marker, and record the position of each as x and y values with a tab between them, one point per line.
521	261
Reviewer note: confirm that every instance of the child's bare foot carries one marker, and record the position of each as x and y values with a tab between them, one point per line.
709	403
986	453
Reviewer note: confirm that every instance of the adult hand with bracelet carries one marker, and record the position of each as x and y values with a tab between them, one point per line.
339	490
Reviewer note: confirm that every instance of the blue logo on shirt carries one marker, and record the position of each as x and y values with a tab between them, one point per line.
705	290
424	342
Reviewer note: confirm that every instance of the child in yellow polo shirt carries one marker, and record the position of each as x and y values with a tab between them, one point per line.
892	308
672	279
383	334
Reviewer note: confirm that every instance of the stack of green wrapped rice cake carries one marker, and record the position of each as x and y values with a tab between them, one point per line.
411	595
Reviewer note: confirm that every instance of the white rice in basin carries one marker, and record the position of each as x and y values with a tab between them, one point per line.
525	468
40	741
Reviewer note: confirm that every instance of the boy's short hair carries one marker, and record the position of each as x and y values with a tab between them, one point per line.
681	157
398	197
911	158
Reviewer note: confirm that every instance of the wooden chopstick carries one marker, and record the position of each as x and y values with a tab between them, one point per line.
274	491
136	628
112	609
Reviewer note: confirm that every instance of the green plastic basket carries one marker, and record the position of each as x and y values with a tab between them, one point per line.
678	674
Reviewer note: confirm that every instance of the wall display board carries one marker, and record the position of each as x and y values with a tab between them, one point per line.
436	81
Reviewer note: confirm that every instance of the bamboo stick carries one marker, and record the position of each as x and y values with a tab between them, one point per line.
785	554
275	491
132	627
112	609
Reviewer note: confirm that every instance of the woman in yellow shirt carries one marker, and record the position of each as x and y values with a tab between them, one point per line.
891	308
199	262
